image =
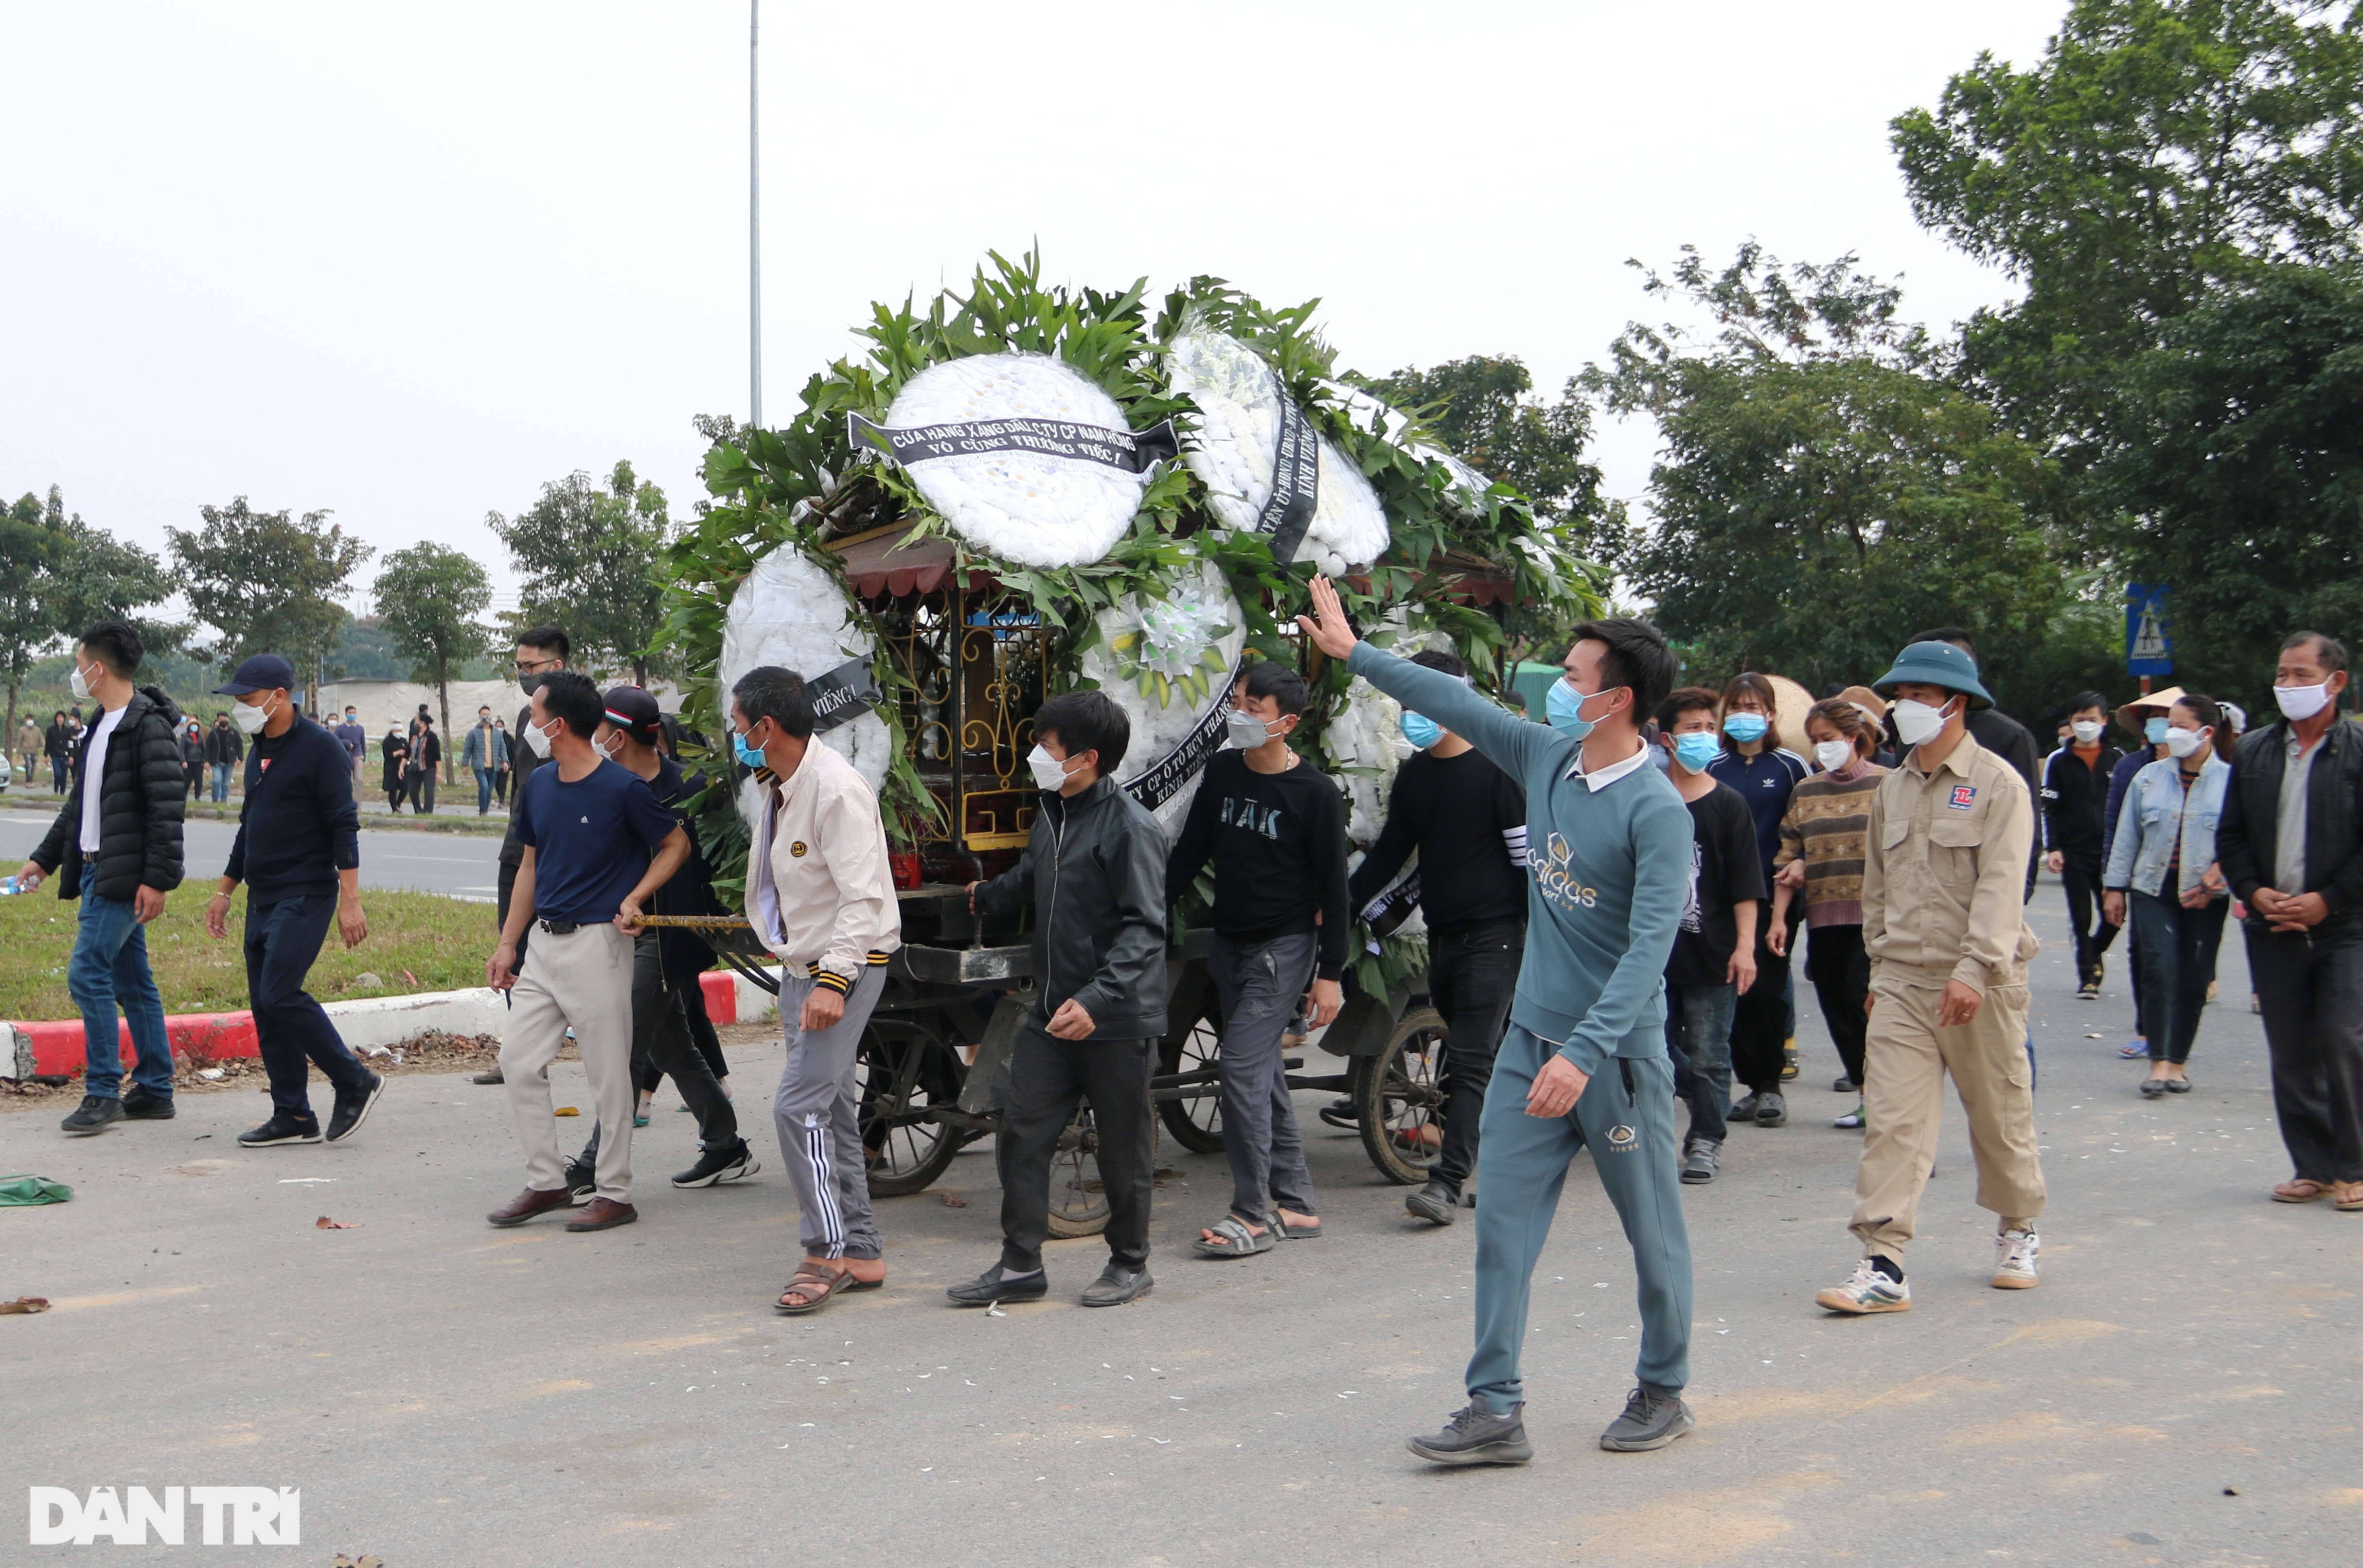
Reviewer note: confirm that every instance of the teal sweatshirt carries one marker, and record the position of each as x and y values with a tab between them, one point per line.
1608	872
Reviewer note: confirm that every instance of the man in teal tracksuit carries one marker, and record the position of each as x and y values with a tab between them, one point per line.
1609	848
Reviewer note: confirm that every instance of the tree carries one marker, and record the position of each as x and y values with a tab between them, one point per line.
428	598
2241	481
589	558
1824	490
2160	149
58	575
266	582
1478	409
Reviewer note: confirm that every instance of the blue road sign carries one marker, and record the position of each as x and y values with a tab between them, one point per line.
2149	640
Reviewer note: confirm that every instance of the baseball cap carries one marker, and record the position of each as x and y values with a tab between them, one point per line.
633	710
262	673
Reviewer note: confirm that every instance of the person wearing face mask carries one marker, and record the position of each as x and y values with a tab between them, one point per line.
1093	875
426	762
2008	739
1715	950
1763	773
2164	855
2290	840
298	852
477	755
1943	922
1466	821
117	846
2075	792
1821	857
2146	717
540	651
1584	1063
355	740
225	750
1275	829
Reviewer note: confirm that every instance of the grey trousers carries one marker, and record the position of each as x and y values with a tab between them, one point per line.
817	1113
583	980
1258	986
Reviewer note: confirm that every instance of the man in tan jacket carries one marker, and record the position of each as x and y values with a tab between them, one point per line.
1944	924
821	897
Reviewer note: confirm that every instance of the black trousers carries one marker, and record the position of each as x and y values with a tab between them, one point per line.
1759	1024
1048	1078
2093	935
1472	976
1841	971
2312	988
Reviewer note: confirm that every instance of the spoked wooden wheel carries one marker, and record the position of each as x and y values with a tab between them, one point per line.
1399	1099
904	1071
1079	1204
1196	1124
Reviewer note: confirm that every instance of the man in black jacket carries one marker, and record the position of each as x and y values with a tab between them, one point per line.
541	650
2290	842
1095	871
225	750
2075	790
58	739
298	852
117	845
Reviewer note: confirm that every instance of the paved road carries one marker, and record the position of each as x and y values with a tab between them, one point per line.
463	866
444	1392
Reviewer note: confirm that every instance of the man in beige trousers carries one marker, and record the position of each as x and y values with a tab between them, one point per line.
1944	924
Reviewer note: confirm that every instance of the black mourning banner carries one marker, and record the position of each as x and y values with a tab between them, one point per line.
840	695
1164	778
1295	482
1130	450
1389	910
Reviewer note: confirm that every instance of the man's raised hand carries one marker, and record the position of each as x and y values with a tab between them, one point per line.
1326	625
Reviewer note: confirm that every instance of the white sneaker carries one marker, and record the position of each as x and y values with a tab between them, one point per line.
1865	1291
2014	1255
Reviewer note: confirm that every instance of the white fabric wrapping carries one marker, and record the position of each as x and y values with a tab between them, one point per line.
1177	629
789	611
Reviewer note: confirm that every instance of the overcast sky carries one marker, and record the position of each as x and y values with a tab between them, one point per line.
408	263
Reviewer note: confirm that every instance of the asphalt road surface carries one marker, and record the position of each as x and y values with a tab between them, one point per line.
2182	1390
463	866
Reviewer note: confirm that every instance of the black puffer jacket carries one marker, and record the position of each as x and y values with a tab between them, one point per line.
2247	833
141	803
1094	870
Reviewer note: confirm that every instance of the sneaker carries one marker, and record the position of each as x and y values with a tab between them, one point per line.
1788	1060
1116	1285
1653	1417
2014	1255
1867	1291
582	1182
139	1105
492	1077
1771	1110
1698	1165
352	1109
718	1165
1476	1436
280	1128
1843	1084
2088	992
95	1114
1853	1120
1340	1112
1434	1203
1744	1111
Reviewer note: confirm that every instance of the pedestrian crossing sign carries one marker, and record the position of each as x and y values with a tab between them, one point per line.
2149	645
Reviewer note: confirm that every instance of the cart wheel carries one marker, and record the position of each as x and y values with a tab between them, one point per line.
1079	1204
1196	1125
904	1070
1399	1098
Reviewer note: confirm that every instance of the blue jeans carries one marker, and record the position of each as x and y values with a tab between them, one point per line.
1698	1039
484	790
221	783
2177	947
290	1028
110	966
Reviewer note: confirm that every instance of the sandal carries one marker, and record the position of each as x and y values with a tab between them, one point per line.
1233	1239
816	1287
2346	1198
1301	1232
2136	1051
2301	1189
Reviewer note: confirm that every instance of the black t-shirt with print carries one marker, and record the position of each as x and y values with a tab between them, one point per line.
1724	870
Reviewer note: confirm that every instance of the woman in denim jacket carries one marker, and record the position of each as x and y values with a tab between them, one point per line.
2164	855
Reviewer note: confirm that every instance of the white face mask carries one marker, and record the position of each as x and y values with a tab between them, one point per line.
613	752
2298	703
79	684
1834	754
2085	730
537	739
2182	742
1916	723
248	718
1049	772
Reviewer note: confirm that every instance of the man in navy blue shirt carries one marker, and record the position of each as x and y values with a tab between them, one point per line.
299	854
597	844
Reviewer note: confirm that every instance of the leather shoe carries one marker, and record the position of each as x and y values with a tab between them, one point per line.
602	1213
492	1077
527	1204
1116	1285
989	1289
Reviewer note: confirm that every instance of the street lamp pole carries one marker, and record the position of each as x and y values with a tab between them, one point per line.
754	225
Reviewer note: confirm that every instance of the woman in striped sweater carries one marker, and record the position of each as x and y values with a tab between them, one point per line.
1821	855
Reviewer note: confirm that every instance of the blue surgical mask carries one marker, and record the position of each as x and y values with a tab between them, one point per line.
749	756
1744	726
1564	707
2154	731
1696	749
1421	730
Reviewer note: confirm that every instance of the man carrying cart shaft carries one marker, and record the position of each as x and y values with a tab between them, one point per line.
1584	1063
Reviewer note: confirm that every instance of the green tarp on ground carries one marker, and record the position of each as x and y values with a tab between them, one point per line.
20	1192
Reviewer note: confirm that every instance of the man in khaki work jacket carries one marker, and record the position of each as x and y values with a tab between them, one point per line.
1943	921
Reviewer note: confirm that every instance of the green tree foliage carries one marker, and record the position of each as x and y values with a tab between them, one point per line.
428	598
589	556
2242	477
1823	491
2161	148
267	583
58	575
